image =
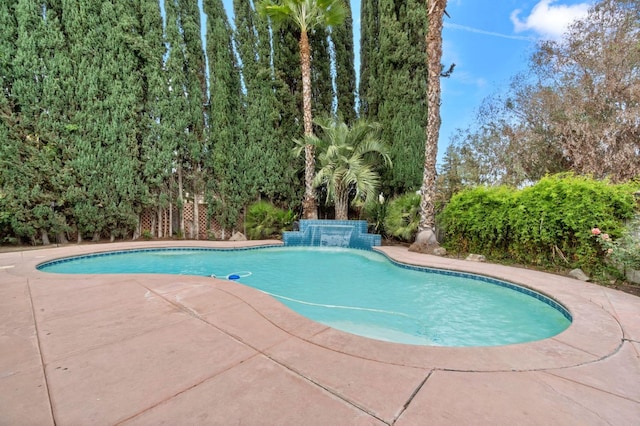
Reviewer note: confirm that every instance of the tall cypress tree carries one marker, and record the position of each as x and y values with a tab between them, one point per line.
107	101
35	174
286	62
197	99
288	88
122	79
185	109
158	144
321	82
228	186
369	47
7	155
393	87
268	149
342	38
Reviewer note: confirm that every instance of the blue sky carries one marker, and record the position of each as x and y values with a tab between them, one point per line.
489	41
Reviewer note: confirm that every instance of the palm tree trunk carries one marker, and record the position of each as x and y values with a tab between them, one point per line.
342	204
309	206
435	12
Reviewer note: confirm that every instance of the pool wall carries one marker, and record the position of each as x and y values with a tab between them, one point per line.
332	233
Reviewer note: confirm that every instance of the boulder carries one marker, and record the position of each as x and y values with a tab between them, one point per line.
476	258
423	248
440	251
579	274
427	238
238	236
633	275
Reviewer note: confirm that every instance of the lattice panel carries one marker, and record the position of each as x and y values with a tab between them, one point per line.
187	212
146	221
202	221
149	221
215	229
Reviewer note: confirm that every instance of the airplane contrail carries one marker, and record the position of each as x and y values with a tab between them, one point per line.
491	33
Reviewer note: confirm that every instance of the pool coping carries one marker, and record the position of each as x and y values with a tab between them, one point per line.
605	322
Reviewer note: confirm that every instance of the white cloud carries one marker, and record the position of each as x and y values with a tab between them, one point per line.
549	20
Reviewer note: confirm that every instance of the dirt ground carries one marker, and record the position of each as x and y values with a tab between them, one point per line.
624	286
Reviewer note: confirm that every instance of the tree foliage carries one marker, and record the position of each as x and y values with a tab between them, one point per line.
393	84
577	109
227	190
342	39
307	17
270	171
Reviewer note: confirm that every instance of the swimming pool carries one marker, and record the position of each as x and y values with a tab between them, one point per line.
360	292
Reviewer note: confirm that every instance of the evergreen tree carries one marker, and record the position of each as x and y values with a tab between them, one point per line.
106	103
33	105
270	169
288	88
195	143
393	86
123	72
286	63
158	144
8	28
342	38
7	159
369	47
228	163
307	15
184	119
322	95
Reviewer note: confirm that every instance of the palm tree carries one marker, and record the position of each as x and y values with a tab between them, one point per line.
435	14
348	158
306	15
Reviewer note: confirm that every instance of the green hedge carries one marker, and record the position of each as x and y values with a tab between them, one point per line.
546	224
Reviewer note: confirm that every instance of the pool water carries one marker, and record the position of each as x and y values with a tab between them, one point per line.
360	292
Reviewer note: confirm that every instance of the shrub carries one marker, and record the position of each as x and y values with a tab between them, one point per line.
403	217
554	218
476	220
375	212
624	252
264	220
546	224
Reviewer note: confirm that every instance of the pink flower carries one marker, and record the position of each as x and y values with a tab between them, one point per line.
605	237
609	251
595	231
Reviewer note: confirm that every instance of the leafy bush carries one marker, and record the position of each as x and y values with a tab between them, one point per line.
476	220
624	252
375	212
546	224
264	220
403	216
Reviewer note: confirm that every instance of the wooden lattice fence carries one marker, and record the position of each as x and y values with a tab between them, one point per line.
166	223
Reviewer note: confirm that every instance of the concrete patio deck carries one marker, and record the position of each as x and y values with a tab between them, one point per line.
181	350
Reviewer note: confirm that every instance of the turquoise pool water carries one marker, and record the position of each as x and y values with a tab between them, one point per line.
360	292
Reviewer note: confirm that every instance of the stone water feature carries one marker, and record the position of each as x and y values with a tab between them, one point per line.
332	233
